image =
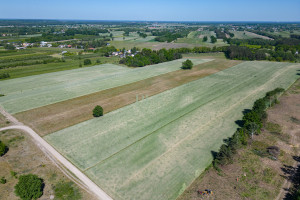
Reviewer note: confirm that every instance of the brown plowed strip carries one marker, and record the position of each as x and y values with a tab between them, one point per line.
54	117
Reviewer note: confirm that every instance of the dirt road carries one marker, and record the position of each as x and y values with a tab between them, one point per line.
45	147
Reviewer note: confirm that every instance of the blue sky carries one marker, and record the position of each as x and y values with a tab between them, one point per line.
156	10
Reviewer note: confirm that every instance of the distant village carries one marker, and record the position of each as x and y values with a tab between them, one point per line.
122	53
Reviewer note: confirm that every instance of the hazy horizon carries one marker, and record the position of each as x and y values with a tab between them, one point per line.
187	11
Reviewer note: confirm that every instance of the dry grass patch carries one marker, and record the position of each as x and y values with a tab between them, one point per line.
25	157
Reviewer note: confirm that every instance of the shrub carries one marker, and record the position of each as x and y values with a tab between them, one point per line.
29	187
187	64
4	75
66	191
98	111
13	174
3	148
2	180
87	62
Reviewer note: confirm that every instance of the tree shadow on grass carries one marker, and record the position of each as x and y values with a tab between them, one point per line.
292	174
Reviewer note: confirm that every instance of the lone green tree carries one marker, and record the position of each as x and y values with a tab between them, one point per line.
29	187
3	148
87	62
213	39
204	39
187	64
98	111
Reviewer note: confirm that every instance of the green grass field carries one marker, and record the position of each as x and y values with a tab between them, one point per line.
155	148
36	91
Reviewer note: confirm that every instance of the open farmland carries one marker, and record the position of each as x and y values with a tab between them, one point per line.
54	117
36	91
155	148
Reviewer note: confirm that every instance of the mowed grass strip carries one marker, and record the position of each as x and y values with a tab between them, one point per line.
36	91
60	115
155	148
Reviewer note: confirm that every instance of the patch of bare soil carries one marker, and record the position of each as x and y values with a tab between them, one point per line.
25	157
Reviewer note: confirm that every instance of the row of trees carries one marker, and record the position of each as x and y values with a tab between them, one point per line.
252	123
149	57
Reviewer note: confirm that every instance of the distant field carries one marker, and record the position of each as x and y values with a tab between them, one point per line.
196	38
33	55
155	148
247	35
35	91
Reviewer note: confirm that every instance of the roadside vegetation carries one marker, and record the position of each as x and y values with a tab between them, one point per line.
32	175
29	187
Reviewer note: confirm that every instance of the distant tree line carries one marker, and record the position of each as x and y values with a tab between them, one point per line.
251	124
149	57
48	37
143	35
171	35
246	53
85	31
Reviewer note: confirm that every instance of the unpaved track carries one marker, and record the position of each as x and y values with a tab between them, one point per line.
50	150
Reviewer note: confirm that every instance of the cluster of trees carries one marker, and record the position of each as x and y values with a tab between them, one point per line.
9	47
85	31
3	148
143	35
252	123
220	34
29	187
4	75
213	39
20	30
171	35
188	64
246	53
149	57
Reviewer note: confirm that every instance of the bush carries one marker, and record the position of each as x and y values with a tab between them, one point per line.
87	62
66	191
4	75
29	187
3	148
2	180
187	64
98	111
